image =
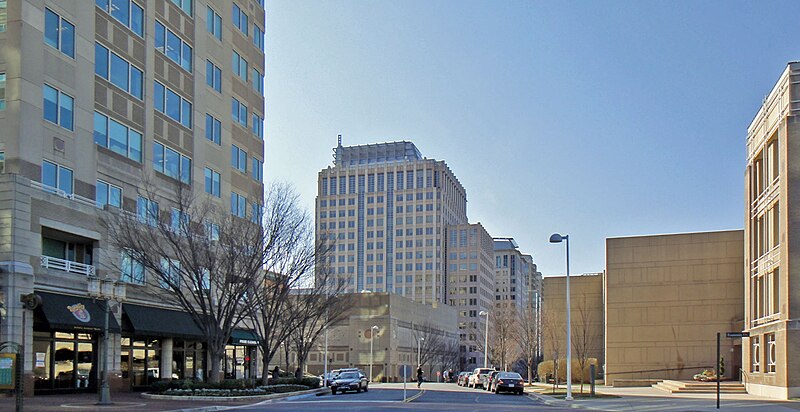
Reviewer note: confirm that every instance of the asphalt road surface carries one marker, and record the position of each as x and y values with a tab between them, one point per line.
432	397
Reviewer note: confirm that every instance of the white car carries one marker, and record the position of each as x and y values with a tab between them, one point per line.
476	379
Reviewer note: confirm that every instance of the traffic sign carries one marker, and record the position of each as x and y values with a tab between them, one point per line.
737	334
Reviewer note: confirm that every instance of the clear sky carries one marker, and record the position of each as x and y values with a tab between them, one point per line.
593	119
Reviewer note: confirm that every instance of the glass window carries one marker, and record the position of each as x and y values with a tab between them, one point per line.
238	159
258	81
239	112
118	71
239	19
258	37
158	96
2	91
213	76
239	66
160	38
100	61
257	169
57	107
213	129
108	194
51	22
132	270
59	33
3	15
115	136
173	105
172	163
238	205
185	5
173	46
127	12
212	182
56	176
147	210
258	126
214	23
120	10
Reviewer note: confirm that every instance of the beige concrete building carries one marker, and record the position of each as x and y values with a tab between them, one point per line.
771	306
512	274
388	209
96	97
666	297
401	323
586	302
470	280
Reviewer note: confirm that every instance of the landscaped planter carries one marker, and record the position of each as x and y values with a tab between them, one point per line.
260	393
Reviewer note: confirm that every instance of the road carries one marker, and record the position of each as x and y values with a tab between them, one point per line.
432	397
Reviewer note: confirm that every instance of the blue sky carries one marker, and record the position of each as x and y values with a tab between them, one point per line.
594	119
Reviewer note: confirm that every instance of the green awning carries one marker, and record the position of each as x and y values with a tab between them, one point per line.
145	321
66	312
244	337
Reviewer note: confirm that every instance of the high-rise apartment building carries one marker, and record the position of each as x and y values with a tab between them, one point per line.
772	310
512	274
470	285
97	97
386	209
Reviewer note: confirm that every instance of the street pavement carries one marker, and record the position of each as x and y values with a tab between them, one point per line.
431	397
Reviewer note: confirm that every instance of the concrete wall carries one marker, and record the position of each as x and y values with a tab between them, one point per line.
666	297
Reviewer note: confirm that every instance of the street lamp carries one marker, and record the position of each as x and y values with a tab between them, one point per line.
419	351
556	238
106	290
485	339
371	339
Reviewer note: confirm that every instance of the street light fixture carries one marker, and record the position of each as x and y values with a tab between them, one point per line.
557	238
106	290
371	339
485	339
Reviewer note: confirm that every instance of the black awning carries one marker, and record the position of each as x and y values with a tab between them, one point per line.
244	337
65	312
145	321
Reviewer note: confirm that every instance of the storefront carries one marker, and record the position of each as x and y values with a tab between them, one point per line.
158	344
66	332
241	355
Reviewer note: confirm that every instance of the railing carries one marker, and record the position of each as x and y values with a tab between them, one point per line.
58	192
67	265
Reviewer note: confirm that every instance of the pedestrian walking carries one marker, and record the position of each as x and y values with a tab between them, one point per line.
419	376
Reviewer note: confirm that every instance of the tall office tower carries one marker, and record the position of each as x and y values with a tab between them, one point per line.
386	208
97	97
512	274
470	286
772	307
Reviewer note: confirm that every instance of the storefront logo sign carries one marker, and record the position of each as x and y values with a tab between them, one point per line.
248	342
80	312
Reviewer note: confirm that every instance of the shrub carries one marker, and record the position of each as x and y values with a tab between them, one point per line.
191	384
309	382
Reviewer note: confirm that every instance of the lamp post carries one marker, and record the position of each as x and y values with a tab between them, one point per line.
485	339
419	352
557	238
106	290
371	339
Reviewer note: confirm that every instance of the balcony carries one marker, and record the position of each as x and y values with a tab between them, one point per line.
61	193
67	266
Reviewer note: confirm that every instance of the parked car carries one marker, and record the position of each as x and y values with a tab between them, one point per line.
509	382
462	378
489	380
349	381
477	377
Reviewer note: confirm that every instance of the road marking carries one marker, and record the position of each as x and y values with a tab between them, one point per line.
414	397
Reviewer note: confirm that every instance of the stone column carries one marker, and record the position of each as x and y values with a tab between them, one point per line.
165	370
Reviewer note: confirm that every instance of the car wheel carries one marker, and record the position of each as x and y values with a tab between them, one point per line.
366	388
333	391
358	390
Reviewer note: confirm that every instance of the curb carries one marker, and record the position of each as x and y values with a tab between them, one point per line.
414	397
232	398
550	401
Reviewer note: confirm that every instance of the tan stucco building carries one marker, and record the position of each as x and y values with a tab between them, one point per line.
666	297
771	304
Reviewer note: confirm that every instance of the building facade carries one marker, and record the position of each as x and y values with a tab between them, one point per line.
512	274
771	307
101	100
387	209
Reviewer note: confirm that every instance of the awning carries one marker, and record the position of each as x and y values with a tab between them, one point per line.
244	337
65	312
145	321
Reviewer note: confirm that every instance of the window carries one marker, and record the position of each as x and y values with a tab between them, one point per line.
3	15
59	33
108	194
130	14
119	138
256	213
147	211
2	162
212	231
174	47
56	177
239	112
172	104
172	163
258	169
214	23
238	205
258	82
132	270
258	127
170	276
258	37
238	159
755	354
179	221
2	91
239	19
185	5
58	107
213	76
771	352
213	129
239	66
212	182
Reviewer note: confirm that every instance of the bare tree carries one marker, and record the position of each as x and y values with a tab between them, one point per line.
428	341
449	355
199	257
553	335
502	345
526	335
584	336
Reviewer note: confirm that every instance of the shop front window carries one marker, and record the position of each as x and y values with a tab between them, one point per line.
64	361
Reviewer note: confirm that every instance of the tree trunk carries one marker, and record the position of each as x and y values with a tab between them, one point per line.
265	369
530	373
214	375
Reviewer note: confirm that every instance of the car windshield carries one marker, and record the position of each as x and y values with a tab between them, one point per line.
509	375
484	371
348	375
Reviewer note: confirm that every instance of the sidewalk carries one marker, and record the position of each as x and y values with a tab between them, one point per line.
124	401
650	399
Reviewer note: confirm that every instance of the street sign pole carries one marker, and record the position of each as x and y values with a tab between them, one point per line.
717	368
405	377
